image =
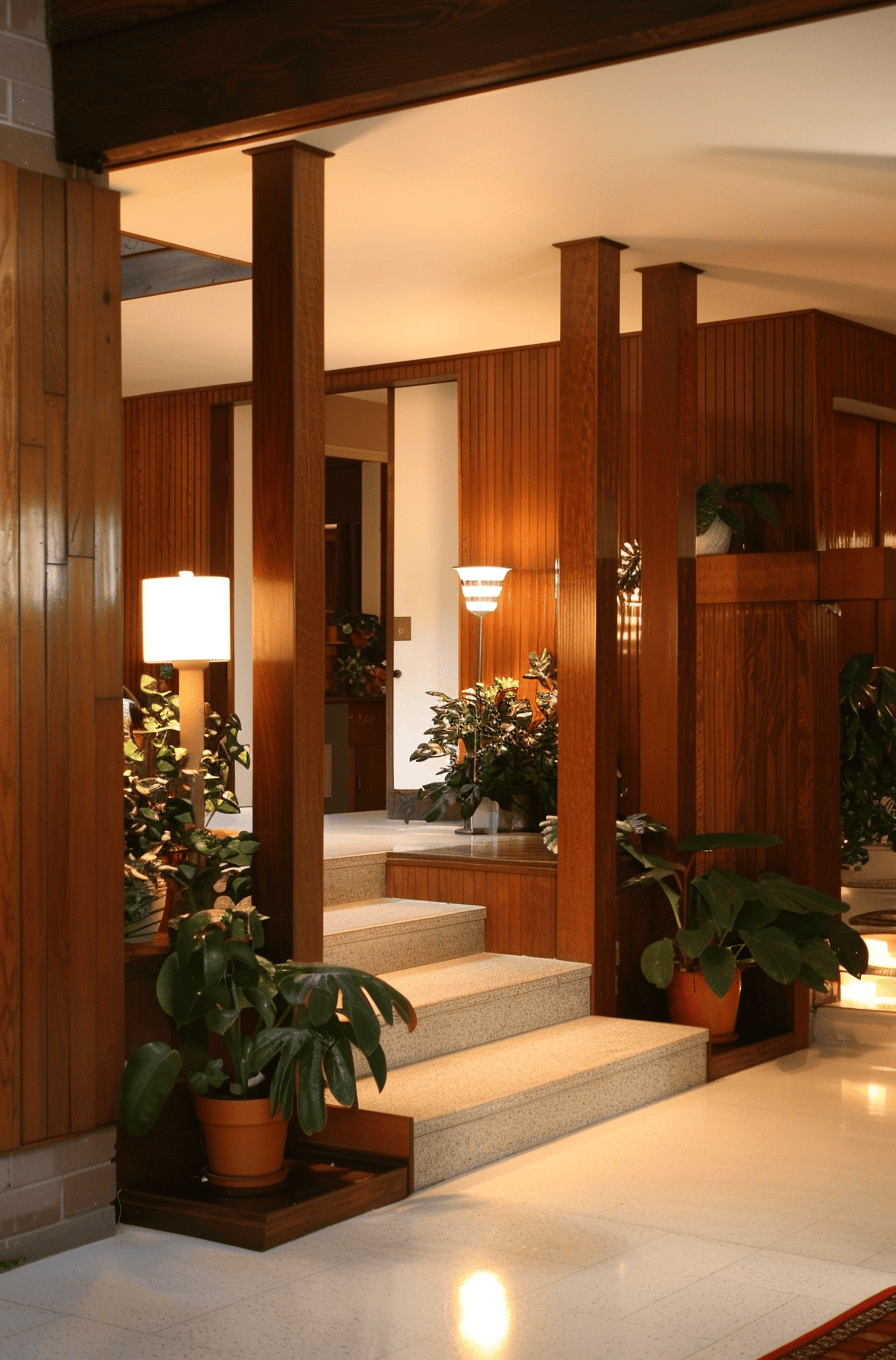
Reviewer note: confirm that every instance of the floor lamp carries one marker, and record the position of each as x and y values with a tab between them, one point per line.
481	588
186	623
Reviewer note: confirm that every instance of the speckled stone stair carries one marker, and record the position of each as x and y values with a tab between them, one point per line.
474	1107
383	934
462	1003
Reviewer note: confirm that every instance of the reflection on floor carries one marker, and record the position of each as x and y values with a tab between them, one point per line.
715	1225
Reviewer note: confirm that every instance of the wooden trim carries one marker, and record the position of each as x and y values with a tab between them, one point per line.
288	545
740	578
232	72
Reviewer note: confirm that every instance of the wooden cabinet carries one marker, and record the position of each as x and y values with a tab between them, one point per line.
355	732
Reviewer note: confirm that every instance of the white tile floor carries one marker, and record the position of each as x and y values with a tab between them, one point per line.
715	1225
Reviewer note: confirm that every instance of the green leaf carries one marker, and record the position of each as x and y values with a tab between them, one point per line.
820	957
339	1069
809	978
658	963
726	840
755	916
312	1110
214	957
322	1001
777	891
775	952
719	968
850	948
376	1061
719	898
693	942
148	1081
189	929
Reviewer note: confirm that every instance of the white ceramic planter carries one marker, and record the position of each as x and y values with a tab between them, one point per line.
879	872
715	541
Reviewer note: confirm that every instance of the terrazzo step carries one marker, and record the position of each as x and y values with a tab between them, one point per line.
354	878
851	1025
462	1003
384	934
475	1107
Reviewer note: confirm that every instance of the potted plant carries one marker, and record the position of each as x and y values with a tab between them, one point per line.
724	920
496	746
716	517
284	1032
162	842
867	769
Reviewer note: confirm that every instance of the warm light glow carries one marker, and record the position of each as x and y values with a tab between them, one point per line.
858	990
481	587
879	954
186	618
874	1097
484	1312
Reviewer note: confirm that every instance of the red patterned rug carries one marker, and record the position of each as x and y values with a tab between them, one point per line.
868	1330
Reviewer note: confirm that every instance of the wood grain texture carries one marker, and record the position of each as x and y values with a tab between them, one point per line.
288	545
666	530
521	907
167	522
60	764
73	19
590	419
234	71
758	577
857	574
10	774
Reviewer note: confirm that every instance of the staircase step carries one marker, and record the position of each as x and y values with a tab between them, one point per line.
462	1003
383	934
352	878
477	1106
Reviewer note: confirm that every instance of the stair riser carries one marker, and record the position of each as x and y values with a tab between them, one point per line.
483	1018
448	1150
354	878
409	948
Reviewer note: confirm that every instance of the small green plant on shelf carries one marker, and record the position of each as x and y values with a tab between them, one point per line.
717	499
291	1025
724	920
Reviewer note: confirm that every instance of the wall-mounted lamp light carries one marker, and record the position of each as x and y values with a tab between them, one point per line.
482	589
186	621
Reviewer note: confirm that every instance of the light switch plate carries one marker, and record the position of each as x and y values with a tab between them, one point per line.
402	630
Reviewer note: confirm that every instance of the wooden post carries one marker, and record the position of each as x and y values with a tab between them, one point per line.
288	543
589	449
667	482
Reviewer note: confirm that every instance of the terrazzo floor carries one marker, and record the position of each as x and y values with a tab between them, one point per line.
714	1225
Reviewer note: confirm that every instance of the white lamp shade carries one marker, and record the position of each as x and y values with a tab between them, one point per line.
186	618
481	587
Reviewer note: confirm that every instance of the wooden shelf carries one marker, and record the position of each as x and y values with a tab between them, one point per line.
325	1185
767	578
751	1049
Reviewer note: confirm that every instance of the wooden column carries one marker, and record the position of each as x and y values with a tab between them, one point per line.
288	539
667	482
589	432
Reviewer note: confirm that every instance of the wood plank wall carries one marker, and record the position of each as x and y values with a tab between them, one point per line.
168	525
507	412
61	938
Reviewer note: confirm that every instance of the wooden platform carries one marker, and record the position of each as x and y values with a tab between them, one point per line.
513	876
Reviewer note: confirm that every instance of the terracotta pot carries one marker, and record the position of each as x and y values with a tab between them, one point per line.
244	1144
692	1002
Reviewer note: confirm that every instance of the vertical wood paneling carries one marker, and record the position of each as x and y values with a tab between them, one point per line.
61	947
10	787
82	397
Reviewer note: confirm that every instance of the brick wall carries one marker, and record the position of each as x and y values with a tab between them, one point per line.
57	1196
26	94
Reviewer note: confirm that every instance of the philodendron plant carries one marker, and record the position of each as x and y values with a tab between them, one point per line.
305	1020
867	757
724	920
717	499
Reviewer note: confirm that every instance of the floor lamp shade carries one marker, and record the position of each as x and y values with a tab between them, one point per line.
481	588
186	618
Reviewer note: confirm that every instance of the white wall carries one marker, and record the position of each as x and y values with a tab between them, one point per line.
426	587
242	588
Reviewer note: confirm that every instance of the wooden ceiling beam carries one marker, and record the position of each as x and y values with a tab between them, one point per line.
195	76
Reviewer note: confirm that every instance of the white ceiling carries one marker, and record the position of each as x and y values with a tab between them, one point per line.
770	162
